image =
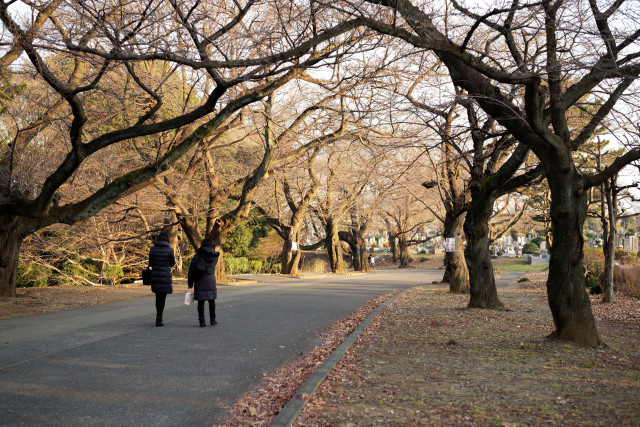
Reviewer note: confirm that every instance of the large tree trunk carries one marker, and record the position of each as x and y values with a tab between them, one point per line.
482	282
290	262
356	257
405	256
12	233
362	258
174	240
357	245
221	274
352	240
334	248
290	259
455	266
568	298
393	247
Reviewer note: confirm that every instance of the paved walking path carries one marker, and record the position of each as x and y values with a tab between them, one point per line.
109	364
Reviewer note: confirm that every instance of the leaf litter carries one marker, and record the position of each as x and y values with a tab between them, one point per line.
427	360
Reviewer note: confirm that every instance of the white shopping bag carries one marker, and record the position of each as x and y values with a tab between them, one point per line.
188	298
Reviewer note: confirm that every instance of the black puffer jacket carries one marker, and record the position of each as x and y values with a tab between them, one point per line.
161	259
202	274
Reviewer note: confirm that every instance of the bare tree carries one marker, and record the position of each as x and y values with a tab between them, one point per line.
343	181
609	211
77	50
405	220
605	74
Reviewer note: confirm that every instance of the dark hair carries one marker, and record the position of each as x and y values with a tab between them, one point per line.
207	243
163	236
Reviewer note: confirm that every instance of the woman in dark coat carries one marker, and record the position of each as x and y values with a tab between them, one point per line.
161	259
202	277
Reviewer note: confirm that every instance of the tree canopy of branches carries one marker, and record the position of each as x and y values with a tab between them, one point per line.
532	48
88	62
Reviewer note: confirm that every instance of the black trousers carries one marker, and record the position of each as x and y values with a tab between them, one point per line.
160	300
212	309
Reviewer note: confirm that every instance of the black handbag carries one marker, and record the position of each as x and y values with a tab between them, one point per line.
146	276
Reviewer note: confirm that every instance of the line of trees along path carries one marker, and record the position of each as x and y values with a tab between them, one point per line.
80	54
551	82
88	84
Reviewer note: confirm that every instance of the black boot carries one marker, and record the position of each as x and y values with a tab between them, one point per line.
159	321
202	322
213	320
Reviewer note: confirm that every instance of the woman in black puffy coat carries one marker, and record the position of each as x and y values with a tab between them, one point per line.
161	259
202	277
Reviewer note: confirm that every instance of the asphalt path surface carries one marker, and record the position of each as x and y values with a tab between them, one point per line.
109	365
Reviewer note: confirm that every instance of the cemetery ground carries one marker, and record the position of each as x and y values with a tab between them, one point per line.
427	360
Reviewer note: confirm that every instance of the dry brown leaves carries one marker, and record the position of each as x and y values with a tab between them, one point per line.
623	315
259	406
57	298
428	361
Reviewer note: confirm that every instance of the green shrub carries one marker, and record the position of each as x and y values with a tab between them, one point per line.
233	265
243	265
529	248
238	241
623	253
589	249
245	237
255	267
594	268
272	267
79	268
33	276
537	240
113	273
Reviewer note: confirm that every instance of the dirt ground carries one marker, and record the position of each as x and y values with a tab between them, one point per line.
57	298
426	360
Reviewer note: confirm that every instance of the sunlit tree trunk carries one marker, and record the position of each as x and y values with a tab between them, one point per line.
221	274
363	257
334	247
289	257
174	240
356	241
455	266
405	256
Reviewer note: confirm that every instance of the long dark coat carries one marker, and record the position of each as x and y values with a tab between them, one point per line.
202	274
161	259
